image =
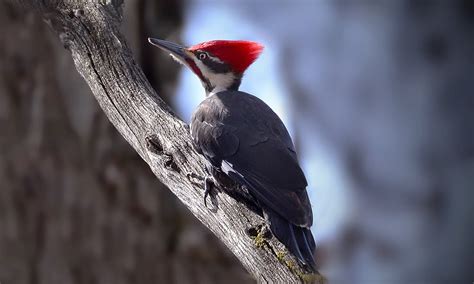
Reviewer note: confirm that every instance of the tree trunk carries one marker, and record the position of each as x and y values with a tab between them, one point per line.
86	209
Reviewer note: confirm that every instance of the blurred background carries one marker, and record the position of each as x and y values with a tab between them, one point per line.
378	97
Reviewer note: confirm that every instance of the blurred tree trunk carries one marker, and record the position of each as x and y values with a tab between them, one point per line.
77	204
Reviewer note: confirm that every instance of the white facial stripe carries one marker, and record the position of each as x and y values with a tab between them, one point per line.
215	59
220	81
177	59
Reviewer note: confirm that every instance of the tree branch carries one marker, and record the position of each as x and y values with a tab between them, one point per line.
90	30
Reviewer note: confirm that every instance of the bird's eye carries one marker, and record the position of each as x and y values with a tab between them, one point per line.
202	56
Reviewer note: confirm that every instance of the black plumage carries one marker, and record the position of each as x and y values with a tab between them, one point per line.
241	136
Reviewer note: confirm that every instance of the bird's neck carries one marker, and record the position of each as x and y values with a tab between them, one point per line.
222	82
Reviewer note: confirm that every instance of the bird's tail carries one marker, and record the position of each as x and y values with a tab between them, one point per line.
298	240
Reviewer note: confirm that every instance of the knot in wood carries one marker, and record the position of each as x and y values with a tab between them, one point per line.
154	145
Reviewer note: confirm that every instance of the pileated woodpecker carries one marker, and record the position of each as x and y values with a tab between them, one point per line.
244	139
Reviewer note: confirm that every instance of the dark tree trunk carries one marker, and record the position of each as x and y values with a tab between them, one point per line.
77	204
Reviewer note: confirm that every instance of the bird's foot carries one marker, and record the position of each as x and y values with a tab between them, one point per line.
209	184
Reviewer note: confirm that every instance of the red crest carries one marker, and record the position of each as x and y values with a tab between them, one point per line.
239	54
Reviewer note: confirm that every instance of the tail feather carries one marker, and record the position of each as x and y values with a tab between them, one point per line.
298	240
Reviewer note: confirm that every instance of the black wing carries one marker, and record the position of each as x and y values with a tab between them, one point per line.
241	134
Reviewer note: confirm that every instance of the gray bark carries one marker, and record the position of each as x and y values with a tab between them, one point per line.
77	204
101	55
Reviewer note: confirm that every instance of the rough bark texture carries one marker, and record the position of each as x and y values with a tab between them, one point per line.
91	32
77	204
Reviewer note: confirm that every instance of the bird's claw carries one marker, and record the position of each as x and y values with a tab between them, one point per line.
208	184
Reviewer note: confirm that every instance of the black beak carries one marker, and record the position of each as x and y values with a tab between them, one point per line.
171	47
